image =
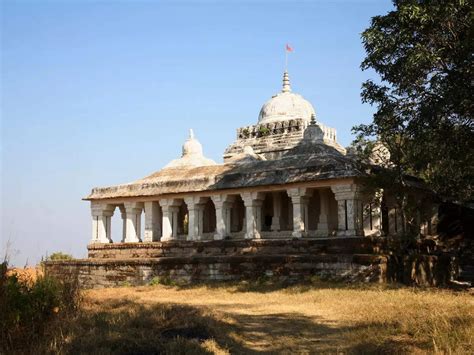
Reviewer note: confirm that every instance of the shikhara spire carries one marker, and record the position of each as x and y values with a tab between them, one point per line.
286	82
191	133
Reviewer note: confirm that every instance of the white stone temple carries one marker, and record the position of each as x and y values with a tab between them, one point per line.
284	177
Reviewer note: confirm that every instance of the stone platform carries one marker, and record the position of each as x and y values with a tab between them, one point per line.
227	260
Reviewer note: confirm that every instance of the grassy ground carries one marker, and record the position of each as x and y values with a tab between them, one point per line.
251	318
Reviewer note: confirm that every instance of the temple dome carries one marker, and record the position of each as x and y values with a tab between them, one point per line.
286	106
192	155
192	146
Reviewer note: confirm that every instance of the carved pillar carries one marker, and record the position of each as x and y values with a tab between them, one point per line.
322	228
169	210
174	213
152	222
195	217
133	211
193	224
349	206
123	214
101	222
276	220
253	214
299	200
223	206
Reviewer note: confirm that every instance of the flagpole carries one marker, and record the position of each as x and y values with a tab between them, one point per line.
286	60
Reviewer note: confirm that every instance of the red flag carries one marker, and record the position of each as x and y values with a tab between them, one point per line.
289	48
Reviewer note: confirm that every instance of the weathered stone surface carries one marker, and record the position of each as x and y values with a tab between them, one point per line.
187	261
236	247
106	272
307	161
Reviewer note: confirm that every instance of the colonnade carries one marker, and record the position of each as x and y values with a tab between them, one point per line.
295	212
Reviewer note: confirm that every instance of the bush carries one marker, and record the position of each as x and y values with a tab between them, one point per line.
59	256
28	309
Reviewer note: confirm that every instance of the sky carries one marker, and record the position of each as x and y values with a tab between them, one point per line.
103	93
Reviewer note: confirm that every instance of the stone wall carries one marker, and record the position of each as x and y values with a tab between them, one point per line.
236	248
342	259
225	260
106	273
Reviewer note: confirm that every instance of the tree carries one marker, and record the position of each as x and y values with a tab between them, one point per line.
423	52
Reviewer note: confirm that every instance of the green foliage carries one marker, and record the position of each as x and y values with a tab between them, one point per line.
263	131
166	281
154	281
59	256
423	53
27	308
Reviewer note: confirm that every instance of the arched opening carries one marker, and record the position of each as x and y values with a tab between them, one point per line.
118	224
209	217
267	212
314	210
183	221
237	215
286	223
277	214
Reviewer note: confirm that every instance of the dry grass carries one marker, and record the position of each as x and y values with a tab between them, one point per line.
249	318
27	275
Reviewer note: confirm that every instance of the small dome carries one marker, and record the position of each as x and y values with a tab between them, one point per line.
192	145
192	155
286	106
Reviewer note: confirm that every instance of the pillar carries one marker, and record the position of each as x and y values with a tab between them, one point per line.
101	222
152	222
223	206
253	214
349	207
123	214
133	212
195	217
299	200
169	213
322	229
167	230
276	220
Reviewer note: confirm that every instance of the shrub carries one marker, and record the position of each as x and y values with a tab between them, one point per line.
59	256
27	309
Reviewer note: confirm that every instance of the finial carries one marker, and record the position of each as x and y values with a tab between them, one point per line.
313	120
191	133
286	82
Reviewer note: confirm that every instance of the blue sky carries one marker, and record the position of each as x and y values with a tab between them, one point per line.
102	93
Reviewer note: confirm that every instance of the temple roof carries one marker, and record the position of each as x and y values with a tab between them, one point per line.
308	161
286	146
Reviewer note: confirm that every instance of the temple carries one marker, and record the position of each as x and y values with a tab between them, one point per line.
284	177
286	188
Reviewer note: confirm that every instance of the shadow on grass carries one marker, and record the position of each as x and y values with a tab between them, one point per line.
267	285
127	327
